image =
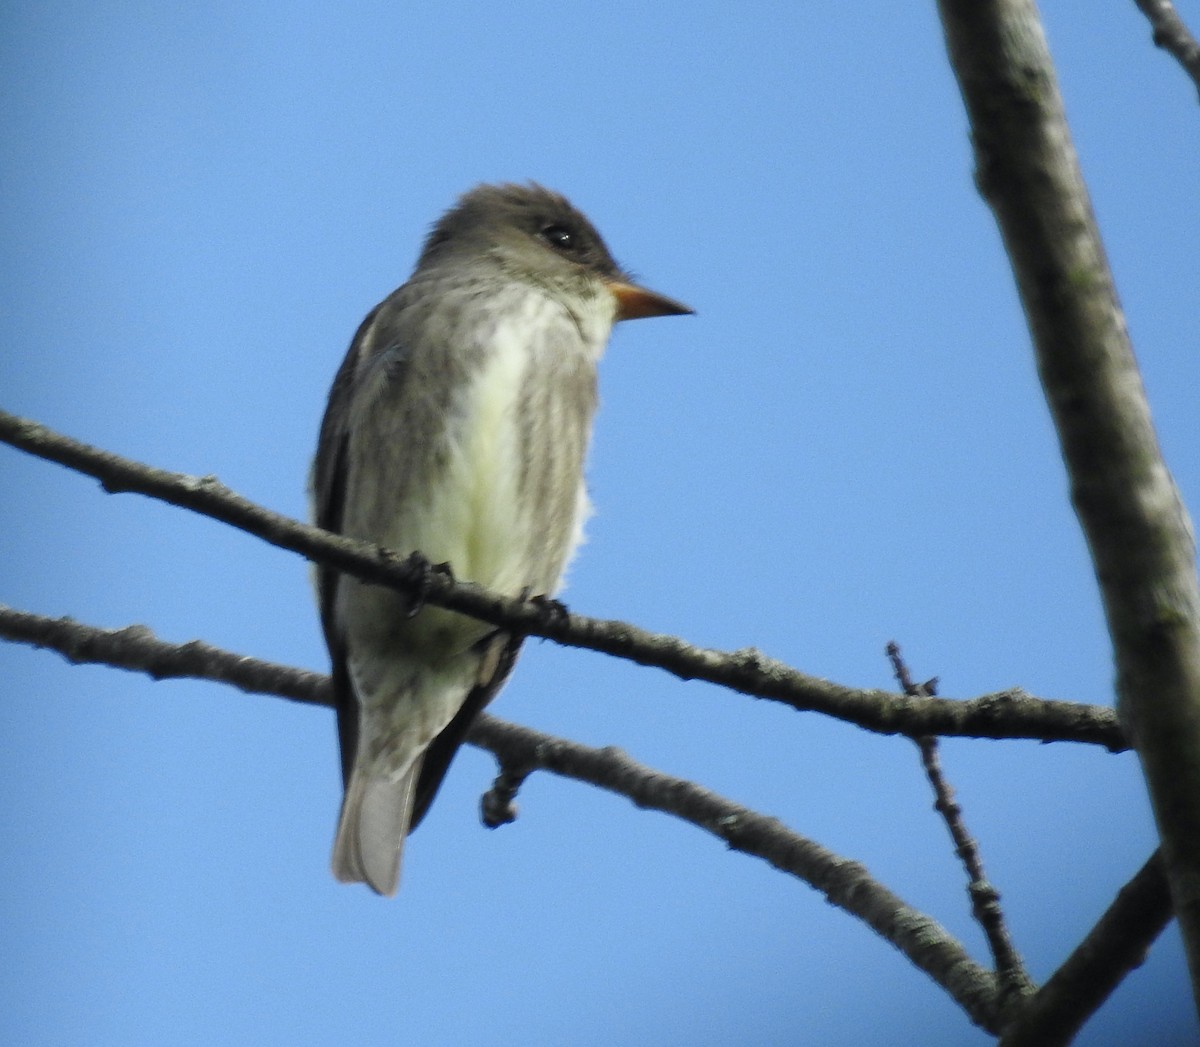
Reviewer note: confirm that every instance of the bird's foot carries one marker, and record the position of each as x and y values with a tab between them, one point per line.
550	610
421	564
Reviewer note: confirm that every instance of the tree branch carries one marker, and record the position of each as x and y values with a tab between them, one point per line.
985	898
1005	714
1172	35
846	884
1136	526
138	650
1113	948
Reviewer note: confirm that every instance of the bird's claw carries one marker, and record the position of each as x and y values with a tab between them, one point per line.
550	610
421	564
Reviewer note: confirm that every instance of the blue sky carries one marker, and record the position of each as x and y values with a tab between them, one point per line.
847	445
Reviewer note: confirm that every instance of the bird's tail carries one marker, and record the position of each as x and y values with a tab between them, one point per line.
376	811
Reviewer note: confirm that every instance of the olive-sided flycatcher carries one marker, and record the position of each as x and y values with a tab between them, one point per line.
457	427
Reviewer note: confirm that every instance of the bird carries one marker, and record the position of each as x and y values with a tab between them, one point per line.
457	430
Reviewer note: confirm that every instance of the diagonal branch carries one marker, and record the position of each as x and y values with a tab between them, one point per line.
846	884
1135	523
1005	714
1172	35
1113	948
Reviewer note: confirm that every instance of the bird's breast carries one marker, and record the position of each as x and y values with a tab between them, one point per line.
506	509
478	510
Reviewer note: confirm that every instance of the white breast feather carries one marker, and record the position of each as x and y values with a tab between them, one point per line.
475	508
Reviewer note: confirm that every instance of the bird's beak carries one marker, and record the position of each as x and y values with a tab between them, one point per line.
635	303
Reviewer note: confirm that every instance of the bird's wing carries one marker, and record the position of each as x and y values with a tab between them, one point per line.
328	491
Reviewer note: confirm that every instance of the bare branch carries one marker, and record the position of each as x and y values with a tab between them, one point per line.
137	649
1172	35
1113	948
844	883
1005	714
985	898
1137	529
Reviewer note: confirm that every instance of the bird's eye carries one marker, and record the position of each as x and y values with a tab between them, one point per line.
559	237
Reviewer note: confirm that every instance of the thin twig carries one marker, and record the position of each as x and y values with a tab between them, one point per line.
1004	714
985	898
1172	35
845	883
